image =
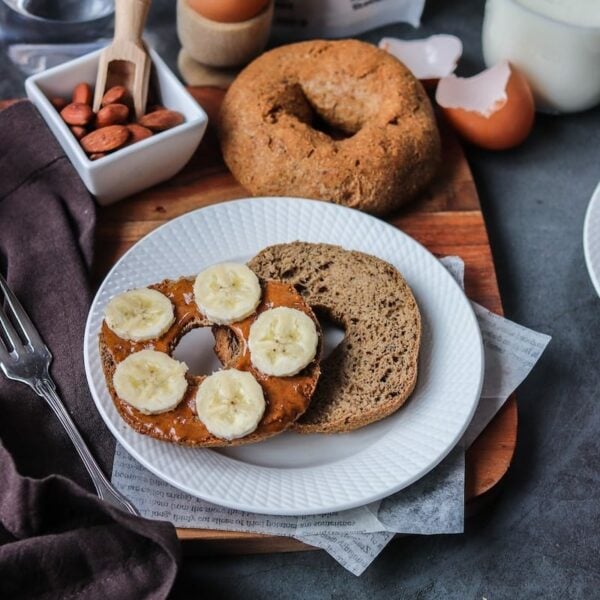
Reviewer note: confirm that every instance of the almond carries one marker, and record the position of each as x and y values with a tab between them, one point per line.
113	114
82	94
161	120
137	133
58	103
117	94
77	114
78	131
105	139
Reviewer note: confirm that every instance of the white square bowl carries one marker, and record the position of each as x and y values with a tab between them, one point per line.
132	168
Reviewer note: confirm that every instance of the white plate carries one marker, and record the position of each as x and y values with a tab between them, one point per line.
294	474
591	238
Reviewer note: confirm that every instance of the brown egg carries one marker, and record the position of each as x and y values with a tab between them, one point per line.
494	110
228	11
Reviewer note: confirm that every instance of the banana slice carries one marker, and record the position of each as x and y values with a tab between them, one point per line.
139	315
227	292
150	381
282	341
230	403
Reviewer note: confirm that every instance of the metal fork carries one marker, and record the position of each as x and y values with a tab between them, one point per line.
24	357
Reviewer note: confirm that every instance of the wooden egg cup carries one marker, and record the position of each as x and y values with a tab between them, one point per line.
212	52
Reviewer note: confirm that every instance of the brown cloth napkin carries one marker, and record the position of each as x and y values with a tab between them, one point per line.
57	539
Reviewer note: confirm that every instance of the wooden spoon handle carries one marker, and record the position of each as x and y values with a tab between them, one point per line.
130	18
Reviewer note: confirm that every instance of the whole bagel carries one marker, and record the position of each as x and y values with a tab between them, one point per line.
337	121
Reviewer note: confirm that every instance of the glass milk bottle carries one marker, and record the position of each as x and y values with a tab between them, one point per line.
555	43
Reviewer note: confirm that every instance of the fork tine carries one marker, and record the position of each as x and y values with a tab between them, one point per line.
9	331
19	315
4	355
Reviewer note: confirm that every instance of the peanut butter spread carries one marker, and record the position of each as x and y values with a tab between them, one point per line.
286	397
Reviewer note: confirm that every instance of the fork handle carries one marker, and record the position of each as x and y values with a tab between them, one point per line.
47	390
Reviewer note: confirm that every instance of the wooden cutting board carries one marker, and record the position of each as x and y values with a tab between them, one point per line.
447	220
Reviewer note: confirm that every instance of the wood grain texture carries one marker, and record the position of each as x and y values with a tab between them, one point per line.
447	219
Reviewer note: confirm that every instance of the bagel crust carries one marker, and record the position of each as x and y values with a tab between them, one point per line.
340	121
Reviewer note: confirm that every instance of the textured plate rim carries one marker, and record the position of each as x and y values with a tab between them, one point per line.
592	267
340	506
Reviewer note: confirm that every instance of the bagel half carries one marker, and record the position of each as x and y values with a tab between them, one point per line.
373	371
286	397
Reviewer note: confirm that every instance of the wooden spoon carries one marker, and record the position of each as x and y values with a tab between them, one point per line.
126	62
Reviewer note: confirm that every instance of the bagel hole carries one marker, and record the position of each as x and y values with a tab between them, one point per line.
335	133
333	334
297	103
195	349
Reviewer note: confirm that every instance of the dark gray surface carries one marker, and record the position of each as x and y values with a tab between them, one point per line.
541	538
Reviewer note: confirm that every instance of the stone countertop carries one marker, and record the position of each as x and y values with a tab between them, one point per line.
541	536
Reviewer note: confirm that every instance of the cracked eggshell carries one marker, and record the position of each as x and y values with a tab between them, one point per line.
428	59
494	109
